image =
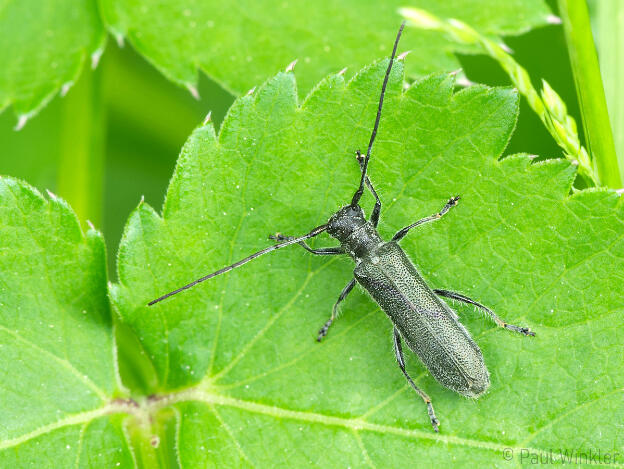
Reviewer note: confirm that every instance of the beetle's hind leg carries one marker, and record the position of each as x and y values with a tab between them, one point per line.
464	299
345	291
398	350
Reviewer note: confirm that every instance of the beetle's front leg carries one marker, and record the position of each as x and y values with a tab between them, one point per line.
330	251
345	291
450	204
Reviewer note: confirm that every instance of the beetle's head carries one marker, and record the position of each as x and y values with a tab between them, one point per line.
345	221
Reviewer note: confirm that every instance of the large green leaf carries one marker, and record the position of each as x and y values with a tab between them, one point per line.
43	46
235	358
58	375
240	44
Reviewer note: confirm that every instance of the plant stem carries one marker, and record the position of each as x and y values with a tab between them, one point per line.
590	91
609	34
153	437
81	166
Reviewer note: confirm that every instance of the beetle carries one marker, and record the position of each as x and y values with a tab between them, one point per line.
429	327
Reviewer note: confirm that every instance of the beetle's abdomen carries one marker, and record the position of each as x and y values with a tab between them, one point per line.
428	326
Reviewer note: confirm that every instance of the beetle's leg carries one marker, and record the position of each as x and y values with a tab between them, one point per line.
459	297
330	251
401	233
374	218
398	350
345	291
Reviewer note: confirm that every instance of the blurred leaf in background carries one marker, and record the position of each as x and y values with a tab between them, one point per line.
44	46
240	44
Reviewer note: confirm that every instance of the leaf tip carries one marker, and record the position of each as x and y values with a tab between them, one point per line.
208	118
420	18
403	55
95	58
291	66
21	122
505	47
193	90
93	233
52	195
463	81
553	19
65	88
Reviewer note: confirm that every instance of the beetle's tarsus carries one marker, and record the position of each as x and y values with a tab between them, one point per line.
323	331
279	237
434	420
522	330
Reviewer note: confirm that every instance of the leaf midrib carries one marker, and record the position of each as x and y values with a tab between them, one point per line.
212	399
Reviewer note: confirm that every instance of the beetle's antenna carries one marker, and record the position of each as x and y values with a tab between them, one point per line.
311	234
360	191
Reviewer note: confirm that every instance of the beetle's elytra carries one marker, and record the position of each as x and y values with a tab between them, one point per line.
429	327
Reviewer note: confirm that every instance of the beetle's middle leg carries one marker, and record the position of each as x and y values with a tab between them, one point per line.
345	291
436	216
398	350
459	297
330	251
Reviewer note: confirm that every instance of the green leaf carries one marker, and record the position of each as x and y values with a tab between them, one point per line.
56	347
239	45
235	359
43	47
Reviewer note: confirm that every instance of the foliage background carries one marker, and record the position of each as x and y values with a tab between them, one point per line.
134	121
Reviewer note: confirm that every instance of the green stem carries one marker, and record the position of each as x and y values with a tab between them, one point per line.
81	167
153	438
590	91
609	34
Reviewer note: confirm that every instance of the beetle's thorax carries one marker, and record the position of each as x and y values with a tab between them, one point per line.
356	234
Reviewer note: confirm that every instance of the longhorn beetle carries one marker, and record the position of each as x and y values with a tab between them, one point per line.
427	324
